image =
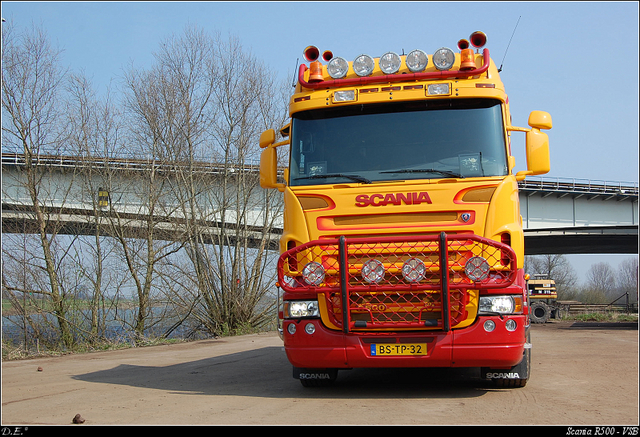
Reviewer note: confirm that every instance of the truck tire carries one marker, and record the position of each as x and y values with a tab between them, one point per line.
540	312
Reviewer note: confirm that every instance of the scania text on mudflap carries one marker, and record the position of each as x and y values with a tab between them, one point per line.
402	243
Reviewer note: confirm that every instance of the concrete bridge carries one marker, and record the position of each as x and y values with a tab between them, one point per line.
560	215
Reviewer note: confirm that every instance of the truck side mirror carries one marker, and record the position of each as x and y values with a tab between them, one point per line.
267	138
269	160
537	145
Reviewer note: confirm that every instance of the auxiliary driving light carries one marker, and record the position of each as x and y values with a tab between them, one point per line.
477	268
511	325
443	58
390	63
337	67
363	65
373	271
313	273
416	61
413	270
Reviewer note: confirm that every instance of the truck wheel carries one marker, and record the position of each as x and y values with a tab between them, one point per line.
540	312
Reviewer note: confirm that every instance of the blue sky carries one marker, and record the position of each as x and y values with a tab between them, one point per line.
576	60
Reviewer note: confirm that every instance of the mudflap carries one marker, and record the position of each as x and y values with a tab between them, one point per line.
315	377
516	376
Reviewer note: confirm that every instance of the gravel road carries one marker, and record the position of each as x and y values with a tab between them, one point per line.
582	374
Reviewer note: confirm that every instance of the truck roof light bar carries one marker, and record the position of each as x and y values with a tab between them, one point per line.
359	81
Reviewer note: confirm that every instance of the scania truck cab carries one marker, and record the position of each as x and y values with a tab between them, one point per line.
402	242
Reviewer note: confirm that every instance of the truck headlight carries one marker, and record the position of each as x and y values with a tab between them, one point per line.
500	304
295	309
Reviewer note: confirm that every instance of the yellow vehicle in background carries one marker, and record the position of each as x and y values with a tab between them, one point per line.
403	243
542	298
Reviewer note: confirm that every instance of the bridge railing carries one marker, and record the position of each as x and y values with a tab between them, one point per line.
127	163
142	163
580	185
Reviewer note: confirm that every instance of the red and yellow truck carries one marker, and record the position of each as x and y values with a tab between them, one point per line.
402	243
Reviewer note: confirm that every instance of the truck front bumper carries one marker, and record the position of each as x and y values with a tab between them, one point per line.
473	346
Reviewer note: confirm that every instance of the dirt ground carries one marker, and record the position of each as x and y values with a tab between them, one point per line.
581	375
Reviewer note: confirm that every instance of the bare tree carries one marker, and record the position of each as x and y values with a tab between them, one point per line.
203	101
600	283
31	83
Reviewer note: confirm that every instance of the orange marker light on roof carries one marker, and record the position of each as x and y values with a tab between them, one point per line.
315	73
467	60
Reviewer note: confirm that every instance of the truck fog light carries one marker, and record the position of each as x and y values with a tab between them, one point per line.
511	325
489	325
291	329
310	328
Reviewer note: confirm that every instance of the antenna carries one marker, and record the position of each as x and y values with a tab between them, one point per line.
505	52
295	72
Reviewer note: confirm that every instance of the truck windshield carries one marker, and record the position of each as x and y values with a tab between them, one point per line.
424	139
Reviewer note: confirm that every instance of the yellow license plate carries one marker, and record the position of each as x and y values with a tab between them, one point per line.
395	349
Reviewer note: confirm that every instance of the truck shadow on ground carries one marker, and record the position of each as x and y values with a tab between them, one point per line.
265	372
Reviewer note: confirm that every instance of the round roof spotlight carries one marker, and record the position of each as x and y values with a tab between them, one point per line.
443	58
311	53
390	63
413	270
478	39
477	268
338	68
363	65
373	271
417	61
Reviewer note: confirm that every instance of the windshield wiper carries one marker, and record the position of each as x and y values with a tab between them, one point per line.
337	175
426	170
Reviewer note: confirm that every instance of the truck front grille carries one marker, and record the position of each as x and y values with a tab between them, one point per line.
398	282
